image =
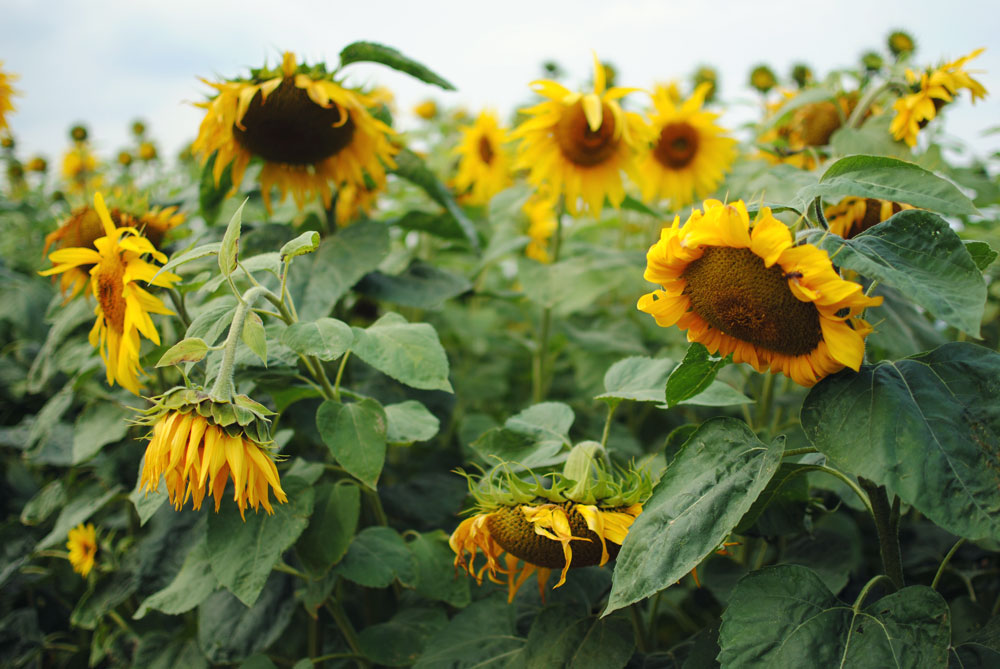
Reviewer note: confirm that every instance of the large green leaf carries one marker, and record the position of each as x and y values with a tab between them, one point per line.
355	434
927	427
574	284
192	585
325	338
712	482
341	260
408	352
420	285
244	552
547	421
637	378
886	178
559	637
784	616
400	641
483	635
410	421
917	253
376	557
81	507
228	631
435	569
331	526
412	168
694	375
386	55
517	449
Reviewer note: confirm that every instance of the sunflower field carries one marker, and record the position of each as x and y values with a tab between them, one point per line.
594	382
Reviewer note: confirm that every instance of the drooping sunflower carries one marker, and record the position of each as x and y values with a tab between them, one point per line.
198	444
930	92
353	202
82	545
578	144
853	215
312	133
84	227
7	93
750	291
483	165
689	155
540	209
123	307
570	524
799	141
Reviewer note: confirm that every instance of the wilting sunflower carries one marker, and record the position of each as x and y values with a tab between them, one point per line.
483	165
7	93
578	144
312	133
853	215
198	444
934	90
689	155
799	141
84	227
354	201
750	291
82	545
541	211
123	307
570	524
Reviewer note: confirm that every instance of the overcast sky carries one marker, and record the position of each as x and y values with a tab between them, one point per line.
107	62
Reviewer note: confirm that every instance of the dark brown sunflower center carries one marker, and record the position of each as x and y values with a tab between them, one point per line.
109	294
581	145
816	122
485	150
677	146
872	216
517	536
734	292
290	128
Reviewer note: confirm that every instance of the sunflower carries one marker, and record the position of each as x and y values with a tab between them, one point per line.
749	291
934	90
123	307
706	74
578	144
198	444
799	141
762	78
483	166
38	164
147	151
900	43
79	167
426	110
7	92
540	528
690	153
82	545
353	202
312	134
84	227
853	215
542	223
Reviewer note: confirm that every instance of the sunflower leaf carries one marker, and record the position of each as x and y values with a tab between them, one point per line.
806	625
229	248
694	375
420	285
386	55
331	526
254	337
886	178
355	434
713	481
411	353
377	557
981	252
410	421
637	378
920	427
919	254
325	338
305	243
191	349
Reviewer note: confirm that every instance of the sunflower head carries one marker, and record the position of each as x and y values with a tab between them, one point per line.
198	444
802	75
82	545
900	43
483	164
707	75
763	78
79	133
138	127
38	164
872	61
124	158
747	289
147	151
427	110
853	215
312	133
578	144
540	209
7	142
560	523
7	92
689	153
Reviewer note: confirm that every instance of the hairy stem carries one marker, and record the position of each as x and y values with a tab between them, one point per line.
887	525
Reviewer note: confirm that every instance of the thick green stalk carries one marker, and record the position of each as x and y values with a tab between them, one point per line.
887	524
222	391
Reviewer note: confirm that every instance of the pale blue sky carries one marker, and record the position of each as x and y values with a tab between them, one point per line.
107	62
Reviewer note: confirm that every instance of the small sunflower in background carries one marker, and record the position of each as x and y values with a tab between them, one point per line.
198	444
901	43
689	155
524	527
82	545
540	209
147	151
427	110
853	215
79	164
312	133
483	164
116	269
762	78
7	93
746	289
706	74
38	164
578	144
932	90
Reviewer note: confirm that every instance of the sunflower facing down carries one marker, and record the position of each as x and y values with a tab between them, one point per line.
578	144
934	90
82	545
749	291
7	92
570	524
853	215
116	269
198	444
689	155
311	133
483	165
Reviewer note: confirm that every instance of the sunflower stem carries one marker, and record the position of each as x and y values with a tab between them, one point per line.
858	115
346	628
612	405
640	634
887	524
865	590
222	391
178	301
340	374
764	405
798	451
944	563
